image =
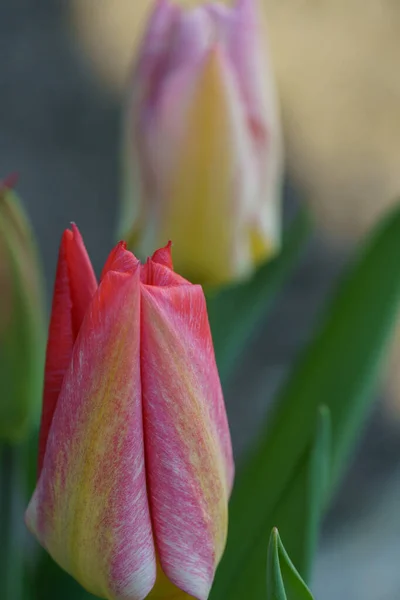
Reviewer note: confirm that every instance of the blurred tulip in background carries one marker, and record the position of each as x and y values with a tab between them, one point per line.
135	459
348	46
21	320
202	142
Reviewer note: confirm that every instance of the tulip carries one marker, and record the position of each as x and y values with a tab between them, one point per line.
135	460
202	142
21	321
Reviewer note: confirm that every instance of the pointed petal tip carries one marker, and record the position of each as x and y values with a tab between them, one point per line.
163	256
76	234
10	181
121	260
67	235
74	287
161	17
72	233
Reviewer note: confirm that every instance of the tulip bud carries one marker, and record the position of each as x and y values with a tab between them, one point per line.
135	461
202	148
21	321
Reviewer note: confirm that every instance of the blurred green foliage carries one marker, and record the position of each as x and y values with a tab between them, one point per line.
340	369
22	333
235	311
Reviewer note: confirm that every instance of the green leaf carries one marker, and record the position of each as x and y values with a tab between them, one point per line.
283	580
297	516
22	330
300	509
235	311
340	369
12	530
50	582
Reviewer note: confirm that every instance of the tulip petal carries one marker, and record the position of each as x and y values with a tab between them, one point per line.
158	270
163	256
250	57
121	260
153	58
187	443
194	32
90	508
213	159
74	288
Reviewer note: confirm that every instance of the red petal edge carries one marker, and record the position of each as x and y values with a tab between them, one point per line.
163	256
74	287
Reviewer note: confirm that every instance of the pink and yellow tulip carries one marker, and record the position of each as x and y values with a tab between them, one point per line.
203	150
135	461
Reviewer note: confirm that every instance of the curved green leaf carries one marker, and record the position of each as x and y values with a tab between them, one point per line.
283	580
301	506
235	311
297	516
340	369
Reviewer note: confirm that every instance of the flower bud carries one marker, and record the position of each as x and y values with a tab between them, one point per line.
135	460
21	321
202	142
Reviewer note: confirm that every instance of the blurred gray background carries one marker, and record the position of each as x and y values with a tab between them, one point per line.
59	129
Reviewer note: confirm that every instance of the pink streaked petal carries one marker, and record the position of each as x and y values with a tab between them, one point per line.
221	132
187	443
120	260
154	132
222	17
159	275
165	126
249	59
74	288
163	256
82	279
249	55
153	59
158	270
194	32
158	32
90	508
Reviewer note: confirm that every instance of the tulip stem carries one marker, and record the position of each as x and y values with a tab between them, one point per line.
11	523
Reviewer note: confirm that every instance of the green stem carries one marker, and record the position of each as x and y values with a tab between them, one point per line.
235	311
11	523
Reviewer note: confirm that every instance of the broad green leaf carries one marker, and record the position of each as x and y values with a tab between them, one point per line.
12	546
297	517
22	331
235	311
339	369
300	509
283	580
